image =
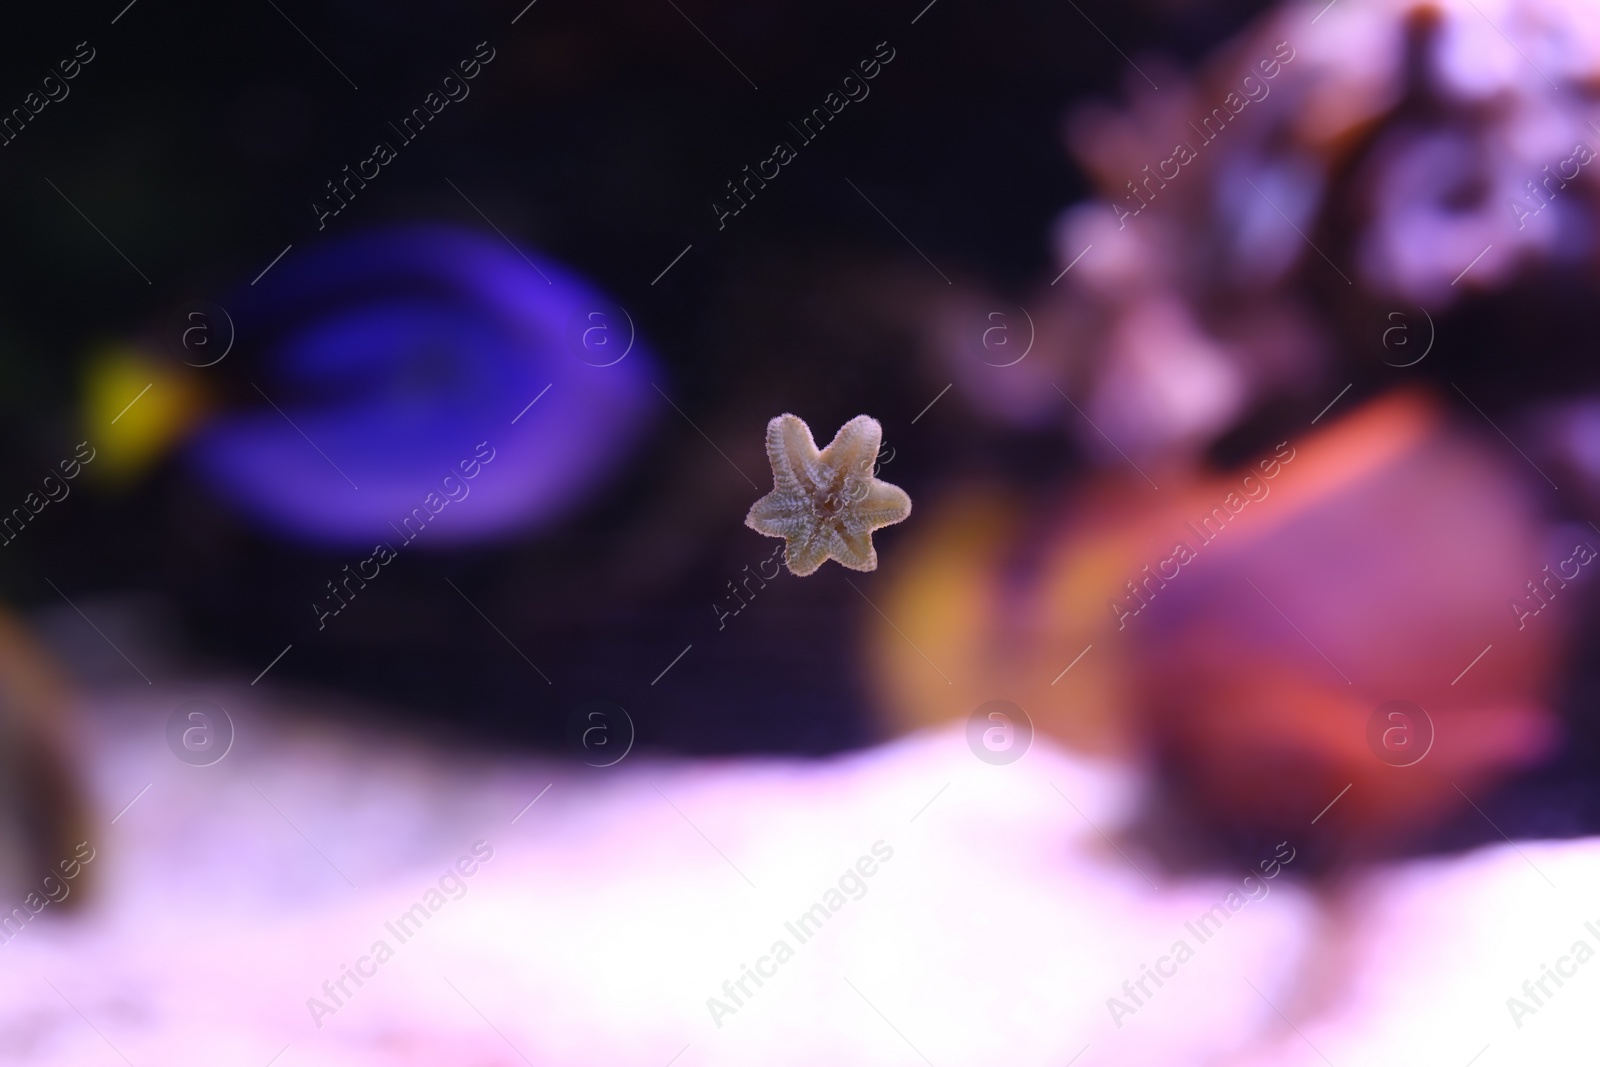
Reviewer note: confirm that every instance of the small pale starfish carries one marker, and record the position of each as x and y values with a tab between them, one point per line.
826	505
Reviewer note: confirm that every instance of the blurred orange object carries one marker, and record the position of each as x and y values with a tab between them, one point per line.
1240	631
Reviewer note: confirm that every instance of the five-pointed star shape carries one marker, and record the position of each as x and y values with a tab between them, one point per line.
826	505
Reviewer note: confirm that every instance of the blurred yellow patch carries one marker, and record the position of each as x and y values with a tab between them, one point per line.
137	407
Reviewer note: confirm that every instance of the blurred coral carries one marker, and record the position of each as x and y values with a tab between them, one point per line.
1329	159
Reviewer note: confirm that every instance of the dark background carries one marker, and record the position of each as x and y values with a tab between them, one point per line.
199	136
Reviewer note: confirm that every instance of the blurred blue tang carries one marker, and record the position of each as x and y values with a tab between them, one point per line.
392	355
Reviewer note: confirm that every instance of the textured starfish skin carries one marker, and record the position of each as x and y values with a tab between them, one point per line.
826	504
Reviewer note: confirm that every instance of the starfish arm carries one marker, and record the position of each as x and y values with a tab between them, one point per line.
854	449
883	505
793	454
807	551
854	549
776	511
785	528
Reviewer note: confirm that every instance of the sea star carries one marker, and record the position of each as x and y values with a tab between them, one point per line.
826	505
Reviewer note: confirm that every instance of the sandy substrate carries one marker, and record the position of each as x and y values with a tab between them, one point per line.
965	914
